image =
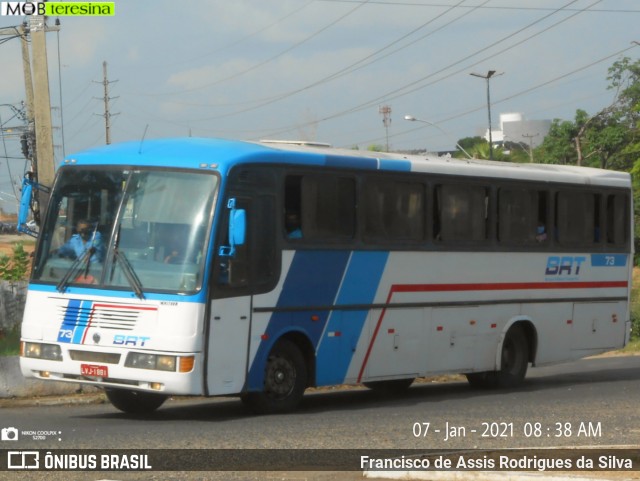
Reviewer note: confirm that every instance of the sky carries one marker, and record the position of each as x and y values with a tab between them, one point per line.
317	70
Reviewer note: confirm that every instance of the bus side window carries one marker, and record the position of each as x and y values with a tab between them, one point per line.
293	207
617	219
254	267
522	215
576	217
462	212
394	211
329	207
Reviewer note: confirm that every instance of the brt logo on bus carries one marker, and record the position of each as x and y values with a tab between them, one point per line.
121	340
564	266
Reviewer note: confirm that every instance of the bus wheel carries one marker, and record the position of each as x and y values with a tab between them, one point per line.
513	364
514	359
135	402
285	380
389	387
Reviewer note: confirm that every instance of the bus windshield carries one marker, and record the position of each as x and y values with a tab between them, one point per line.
144	230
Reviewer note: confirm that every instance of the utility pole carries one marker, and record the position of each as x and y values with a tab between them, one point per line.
26	67
385	110
490	74
530	137
107	113
41	108
38	103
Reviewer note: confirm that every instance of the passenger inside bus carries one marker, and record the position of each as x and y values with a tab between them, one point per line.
293	225
541	234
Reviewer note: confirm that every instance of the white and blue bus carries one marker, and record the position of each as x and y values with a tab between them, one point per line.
212	267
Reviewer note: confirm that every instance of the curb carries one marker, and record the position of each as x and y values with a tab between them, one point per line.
13	384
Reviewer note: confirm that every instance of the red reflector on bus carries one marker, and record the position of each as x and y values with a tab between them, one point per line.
264	337
439	328
391	331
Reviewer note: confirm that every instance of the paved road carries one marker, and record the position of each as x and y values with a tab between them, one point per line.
586	403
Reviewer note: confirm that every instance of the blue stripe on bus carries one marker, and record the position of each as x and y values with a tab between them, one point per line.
121	295
313	280
399	165
609	260
82	321
67	330
355	162
359	286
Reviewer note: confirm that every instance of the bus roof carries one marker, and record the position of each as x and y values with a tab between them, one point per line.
221	155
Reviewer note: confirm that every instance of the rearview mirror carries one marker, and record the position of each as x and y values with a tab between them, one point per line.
25	208
237	229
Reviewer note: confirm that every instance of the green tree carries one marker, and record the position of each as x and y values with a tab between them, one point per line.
14	268
478	148
558	147
376	148
608	139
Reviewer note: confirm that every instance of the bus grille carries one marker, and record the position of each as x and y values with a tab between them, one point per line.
101	317
89	356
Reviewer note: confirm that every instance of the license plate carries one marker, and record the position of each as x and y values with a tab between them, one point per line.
93	370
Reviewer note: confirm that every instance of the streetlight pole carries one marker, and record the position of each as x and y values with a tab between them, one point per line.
411	118
490	74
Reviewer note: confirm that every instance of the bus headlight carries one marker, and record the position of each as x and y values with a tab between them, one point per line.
51	352
156	362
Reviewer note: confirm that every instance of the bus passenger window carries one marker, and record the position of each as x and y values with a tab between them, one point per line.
522	215
576	214
462	212
617	219
293	207
328	207
394	211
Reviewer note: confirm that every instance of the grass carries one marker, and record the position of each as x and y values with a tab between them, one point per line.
10	342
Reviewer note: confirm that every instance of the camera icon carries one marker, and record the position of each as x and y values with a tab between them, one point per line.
9	434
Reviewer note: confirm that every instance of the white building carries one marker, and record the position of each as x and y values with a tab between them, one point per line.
514	128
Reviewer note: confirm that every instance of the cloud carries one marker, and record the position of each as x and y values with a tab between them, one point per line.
11	79
82	40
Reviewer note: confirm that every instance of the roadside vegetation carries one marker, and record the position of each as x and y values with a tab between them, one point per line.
634	345
13	268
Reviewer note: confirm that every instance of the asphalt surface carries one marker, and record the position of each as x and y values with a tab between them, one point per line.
603	390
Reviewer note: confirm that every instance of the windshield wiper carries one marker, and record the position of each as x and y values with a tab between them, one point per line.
129	273
75	268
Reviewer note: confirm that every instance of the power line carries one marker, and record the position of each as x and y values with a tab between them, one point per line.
271	59
517	94
495	7
236	42
362	63
402	91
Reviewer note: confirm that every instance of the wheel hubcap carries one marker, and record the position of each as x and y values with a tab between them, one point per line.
281	377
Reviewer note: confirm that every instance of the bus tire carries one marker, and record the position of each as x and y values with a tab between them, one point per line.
135	402
285	380
514	361
389	387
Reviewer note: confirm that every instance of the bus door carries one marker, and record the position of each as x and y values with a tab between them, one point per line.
250	270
